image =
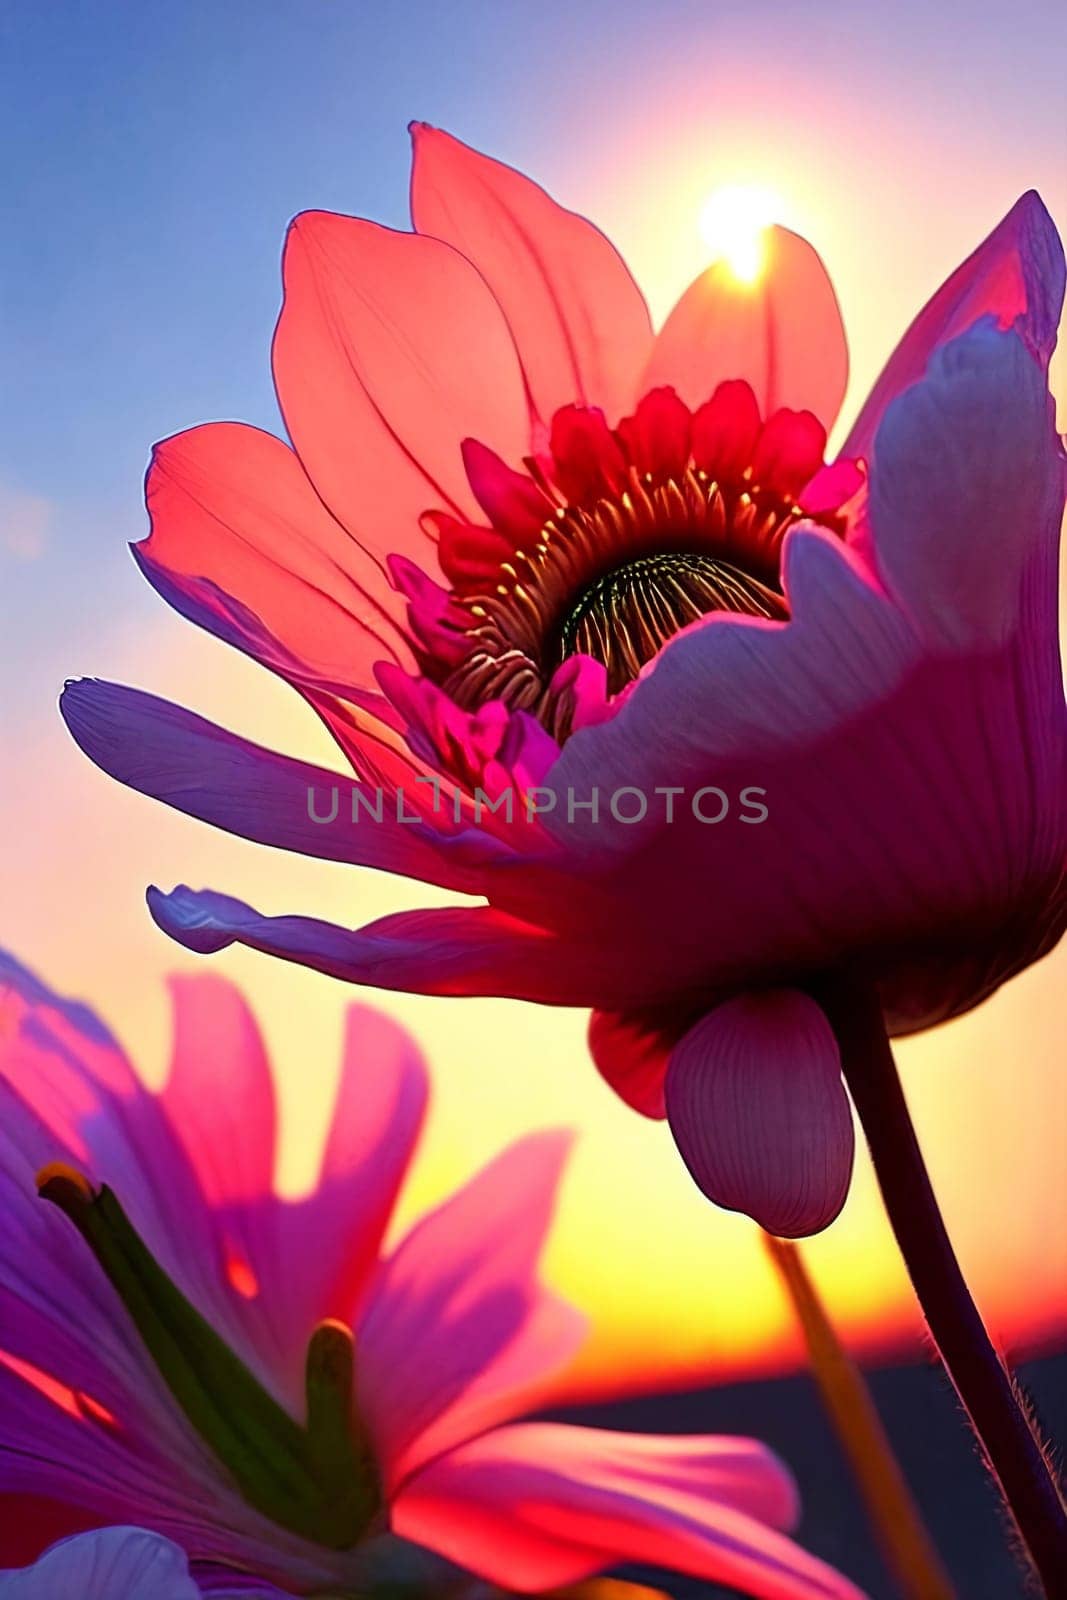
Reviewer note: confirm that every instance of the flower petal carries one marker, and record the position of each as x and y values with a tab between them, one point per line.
541	1504
164	751
578	319
106	1564
243	546
760	1114
631	1051
782	333
329	1242
843	722
219	1095
451	950
1016	276
389	350
966	493
457	1328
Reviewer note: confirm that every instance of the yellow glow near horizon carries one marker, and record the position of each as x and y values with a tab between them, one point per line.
733	222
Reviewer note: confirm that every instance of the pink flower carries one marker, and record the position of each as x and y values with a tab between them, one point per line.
259	1381
524	547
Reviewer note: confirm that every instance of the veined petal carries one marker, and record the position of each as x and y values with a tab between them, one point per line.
457	1330
759	1112
106	1564
782	333
541	1504
390	350
579	321
1015	276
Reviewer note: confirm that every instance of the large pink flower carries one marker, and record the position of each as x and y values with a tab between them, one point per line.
523	546
199	1380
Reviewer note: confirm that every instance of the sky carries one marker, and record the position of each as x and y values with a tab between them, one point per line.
155	155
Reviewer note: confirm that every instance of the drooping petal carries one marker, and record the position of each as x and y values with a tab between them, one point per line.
164	751
242	545
782	333
631	1051
541	1504
967	488
457	1329
578	319
759	1112
1015	276
107	1564
447	951
390	350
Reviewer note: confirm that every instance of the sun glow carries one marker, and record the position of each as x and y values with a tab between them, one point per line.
734	220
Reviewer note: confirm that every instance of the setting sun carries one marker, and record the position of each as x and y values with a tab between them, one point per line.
733	222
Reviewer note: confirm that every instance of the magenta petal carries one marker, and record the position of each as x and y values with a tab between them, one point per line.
1016	276
631	1051
541	1505
457	1328
760	1114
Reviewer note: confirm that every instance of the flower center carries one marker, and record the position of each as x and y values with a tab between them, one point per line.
318	1480
614	540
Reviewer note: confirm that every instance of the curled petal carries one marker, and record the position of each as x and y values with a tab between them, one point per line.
782	333
453	950
760	1114
966	493
1016	276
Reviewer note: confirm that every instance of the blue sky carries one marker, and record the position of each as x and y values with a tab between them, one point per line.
156	152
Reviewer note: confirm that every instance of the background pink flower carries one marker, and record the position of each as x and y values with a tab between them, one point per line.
453	1332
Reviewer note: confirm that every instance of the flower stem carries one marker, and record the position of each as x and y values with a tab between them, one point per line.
988	1393
901	1532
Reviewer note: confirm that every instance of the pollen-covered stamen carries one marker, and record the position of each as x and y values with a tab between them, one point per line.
617	579
319	1481
625	618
